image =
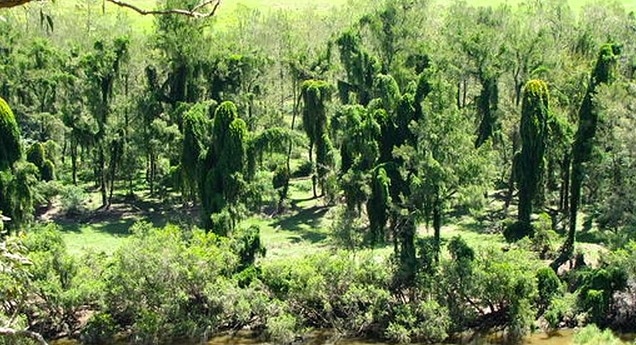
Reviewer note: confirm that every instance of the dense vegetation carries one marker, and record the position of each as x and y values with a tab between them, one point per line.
511	124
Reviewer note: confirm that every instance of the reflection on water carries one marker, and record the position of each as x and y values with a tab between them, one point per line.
562	337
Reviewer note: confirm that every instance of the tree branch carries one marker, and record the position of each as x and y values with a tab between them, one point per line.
10	332
13	3
195	12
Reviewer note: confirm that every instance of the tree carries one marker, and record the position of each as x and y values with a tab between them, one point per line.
101	68
360	68
10	147
224	167
316	94
358	133
535	113
10	153
442	166
195	133
603	73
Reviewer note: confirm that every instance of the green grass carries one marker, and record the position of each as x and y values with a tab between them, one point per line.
101	237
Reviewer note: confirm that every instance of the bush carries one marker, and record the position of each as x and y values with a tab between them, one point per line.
504	280
47	171
597	287
592	335
305	169
517	230
72	200
549	286
167	284
562	310
100	329
282	329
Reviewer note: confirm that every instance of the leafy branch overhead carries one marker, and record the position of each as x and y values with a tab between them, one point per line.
204	9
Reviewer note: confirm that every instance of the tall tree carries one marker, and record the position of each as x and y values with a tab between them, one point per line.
10	152
195	128
101	68
10	147
603	73
223	171
316	94
529	167
444	165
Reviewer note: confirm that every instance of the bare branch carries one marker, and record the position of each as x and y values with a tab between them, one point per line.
13	3
196	12
10	332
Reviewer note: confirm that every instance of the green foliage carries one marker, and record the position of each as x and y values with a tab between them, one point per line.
35	154
563	310
72	199
195	132
346	293
99	329
361	69
549	286
378	205
493	278
47	172
19	193
158	282
596	292
282	329
222	179
591	334
426	321
10	147
315	94
248	246
535	114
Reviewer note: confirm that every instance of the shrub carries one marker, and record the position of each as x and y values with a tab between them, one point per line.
35	155
100	329
517	230
72	199
282	329
305	169
563	309
592	335
548	285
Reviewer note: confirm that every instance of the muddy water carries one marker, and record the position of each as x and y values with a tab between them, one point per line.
562	337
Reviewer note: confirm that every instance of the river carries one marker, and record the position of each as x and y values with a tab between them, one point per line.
561	337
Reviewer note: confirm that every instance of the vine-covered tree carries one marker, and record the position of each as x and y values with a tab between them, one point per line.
529	165
195	132
10	147
10	152
316	94
223	170
603	73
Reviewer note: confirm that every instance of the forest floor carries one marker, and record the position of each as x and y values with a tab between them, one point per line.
304	228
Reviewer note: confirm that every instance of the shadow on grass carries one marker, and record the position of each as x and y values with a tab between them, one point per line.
305	223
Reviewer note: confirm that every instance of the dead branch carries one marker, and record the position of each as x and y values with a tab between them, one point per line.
10	332
196	12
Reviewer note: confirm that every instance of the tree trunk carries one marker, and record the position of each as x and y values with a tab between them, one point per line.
575	198
437	225
73	151
102	176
